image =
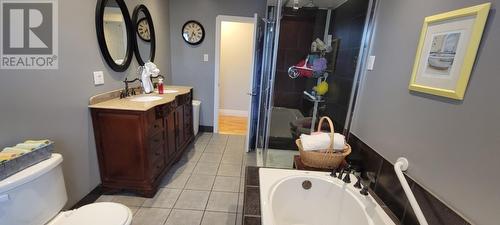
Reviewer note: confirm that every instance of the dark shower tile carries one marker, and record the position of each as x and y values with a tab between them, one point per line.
356	32
389	189
251	204
434	210
288	99
372	161
252	220
252	176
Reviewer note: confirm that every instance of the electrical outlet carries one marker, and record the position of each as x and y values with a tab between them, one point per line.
205	57
98	78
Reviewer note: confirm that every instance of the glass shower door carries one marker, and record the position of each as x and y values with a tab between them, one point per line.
268	68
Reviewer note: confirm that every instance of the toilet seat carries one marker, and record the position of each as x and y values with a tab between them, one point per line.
103	213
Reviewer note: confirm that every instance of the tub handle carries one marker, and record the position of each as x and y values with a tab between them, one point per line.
4	198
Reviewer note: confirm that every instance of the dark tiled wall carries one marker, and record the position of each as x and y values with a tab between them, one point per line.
347	25
388	188
297	31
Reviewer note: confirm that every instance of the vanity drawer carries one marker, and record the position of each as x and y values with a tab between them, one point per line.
155	127
184	99
164	110
156	167
156	142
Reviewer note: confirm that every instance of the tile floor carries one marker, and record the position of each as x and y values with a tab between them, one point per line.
204	188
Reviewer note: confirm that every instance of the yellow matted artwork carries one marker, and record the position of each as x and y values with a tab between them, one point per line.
447	50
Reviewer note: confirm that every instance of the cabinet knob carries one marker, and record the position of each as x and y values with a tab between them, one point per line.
156	126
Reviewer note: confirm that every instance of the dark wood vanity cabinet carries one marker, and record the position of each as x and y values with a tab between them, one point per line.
136	148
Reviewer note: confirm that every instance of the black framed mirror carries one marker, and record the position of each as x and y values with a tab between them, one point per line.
114	33
144	35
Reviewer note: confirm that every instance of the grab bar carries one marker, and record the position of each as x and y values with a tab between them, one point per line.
400	166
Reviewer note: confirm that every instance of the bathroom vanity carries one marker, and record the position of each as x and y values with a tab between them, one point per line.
139	138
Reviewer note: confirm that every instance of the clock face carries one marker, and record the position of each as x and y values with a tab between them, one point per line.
193	32
143	30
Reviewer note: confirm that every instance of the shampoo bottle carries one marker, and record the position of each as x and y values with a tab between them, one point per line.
160	86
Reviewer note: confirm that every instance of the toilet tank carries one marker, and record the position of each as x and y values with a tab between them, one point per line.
34	195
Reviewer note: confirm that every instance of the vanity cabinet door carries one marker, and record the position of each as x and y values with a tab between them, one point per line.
188	121
170	145
119	145
179	116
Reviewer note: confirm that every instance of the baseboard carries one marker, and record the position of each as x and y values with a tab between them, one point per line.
209	129
90	197
231	112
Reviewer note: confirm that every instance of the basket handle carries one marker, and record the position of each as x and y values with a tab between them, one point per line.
332	128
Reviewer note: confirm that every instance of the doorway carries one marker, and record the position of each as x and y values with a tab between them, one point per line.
235	56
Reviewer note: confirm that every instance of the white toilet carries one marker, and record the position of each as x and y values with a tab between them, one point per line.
36	195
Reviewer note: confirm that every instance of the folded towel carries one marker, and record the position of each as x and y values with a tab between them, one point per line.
8	156
30	146
37	142
315	141
338	142
321	141
15	151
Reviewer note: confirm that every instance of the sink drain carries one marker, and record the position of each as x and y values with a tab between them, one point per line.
306	185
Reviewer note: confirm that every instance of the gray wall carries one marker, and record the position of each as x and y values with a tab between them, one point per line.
452	146
188	67
53	103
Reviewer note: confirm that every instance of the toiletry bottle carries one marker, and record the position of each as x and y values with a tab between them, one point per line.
160	86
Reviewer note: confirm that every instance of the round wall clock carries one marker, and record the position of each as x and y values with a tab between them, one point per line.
193	32
143	30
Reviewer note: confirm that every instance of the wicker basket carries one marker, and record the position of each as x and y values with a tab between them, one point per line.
323	158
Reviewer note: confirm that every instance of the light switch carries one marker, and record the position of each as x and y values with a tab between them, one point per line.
370	63
205	57
98	78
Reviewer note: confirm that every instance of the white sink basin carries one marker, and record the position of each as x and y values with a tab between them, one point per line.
145	98
168	91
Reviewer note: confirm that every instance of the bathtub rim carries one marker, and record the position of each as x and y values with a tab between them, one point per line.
269	178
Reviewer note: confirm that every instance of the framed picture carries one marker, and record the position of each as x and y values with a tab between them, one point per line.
447	50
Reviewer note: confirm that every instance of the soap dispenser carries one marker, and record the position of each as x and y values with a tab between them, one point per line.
160	86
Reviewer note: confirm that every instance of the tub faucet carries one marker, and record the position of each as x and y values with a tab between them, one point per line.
369	182
335	171
341	173
358	182
347	178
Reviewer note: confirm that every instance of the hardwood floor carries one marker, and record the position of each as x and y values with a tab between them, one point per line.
232	125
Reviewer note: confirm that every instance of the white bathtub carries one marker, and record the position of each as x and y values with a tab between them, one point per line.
329	201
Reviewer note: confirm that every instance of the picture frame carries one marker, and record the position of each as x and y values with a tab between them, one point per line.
447	50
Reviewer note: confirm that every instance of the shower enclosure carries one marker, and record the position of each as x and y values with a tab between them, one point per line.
288	104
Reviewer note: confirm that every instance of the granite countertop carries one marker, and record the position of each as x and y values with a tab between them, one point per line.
111	100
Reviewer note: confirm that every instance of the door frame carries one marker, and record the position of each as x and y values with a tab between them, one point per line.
219	19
